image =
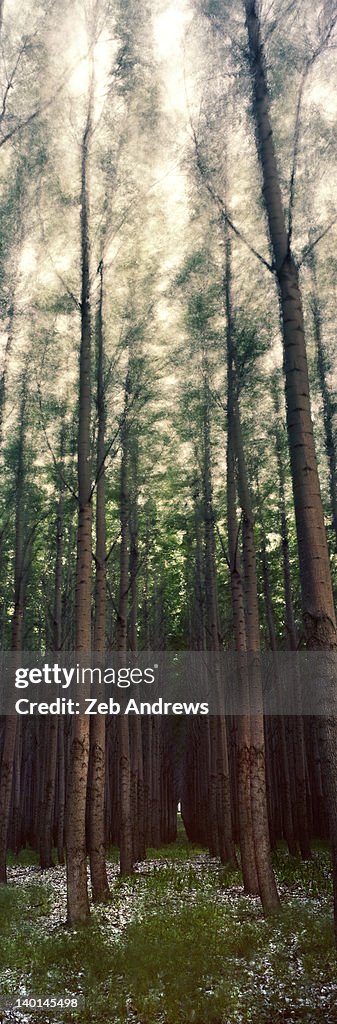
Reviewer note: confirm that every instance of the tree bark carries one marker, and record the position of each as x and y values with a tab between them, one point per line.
329	433
222	844
11	724
125	819
267	884
77	890
248	860
99	878
317	596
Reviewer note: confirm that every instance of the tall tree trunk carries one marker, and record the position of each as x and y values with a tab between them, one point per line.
280	724
317	595
8	348
99	879
77	890
51	725
291	633
318	607
248	861
221	829
137	767
267	885
7	760
322	370
125	822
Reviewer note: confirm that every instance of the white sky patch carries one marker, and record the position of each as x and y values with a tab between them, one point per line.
169	31
325	97
79	80
28	259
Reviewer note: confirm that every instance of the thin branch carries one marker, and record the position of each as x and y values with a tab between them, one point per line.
224	552
251	248
308	248
40	109
68	290
10	80
55	462
321	46
276	21
29	538
111	597
103	461
220	203
134	203
112	547
297	132
123	417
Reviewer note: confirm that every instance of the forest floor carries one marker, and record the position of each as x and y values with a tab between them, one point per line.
178	943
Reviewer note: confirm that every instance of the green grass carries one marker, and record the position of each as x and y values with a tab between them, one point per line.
192	951
26	858
180	850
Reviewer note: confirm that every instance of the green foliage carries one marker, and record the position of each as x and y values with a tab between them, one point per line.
193	948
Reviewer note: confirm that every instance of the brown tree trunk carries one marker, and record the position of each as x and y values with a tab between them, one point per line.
125	819
52	724
322	369
77	890
267	884
291	633
60	791
280	725
9	342
248	862
137	768
99	879
7	760
317	595
222	844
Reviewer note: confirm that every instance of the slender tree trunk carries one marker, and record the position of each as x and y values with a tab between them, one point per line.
51	725
9	342
77	890
11	723
125	823
291	633
296	724
136	722
280	724
247	848
219	764
99	879
60	791
322	369
267	884
317	595
318	607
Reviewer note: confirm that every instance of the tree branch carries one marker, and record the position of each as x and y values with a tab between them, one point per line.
321	46
10	80
220	203
308	248
55	462
224	552
297	132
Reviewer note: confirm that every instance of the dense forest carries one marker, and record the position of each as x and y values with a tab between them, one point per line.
168	442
